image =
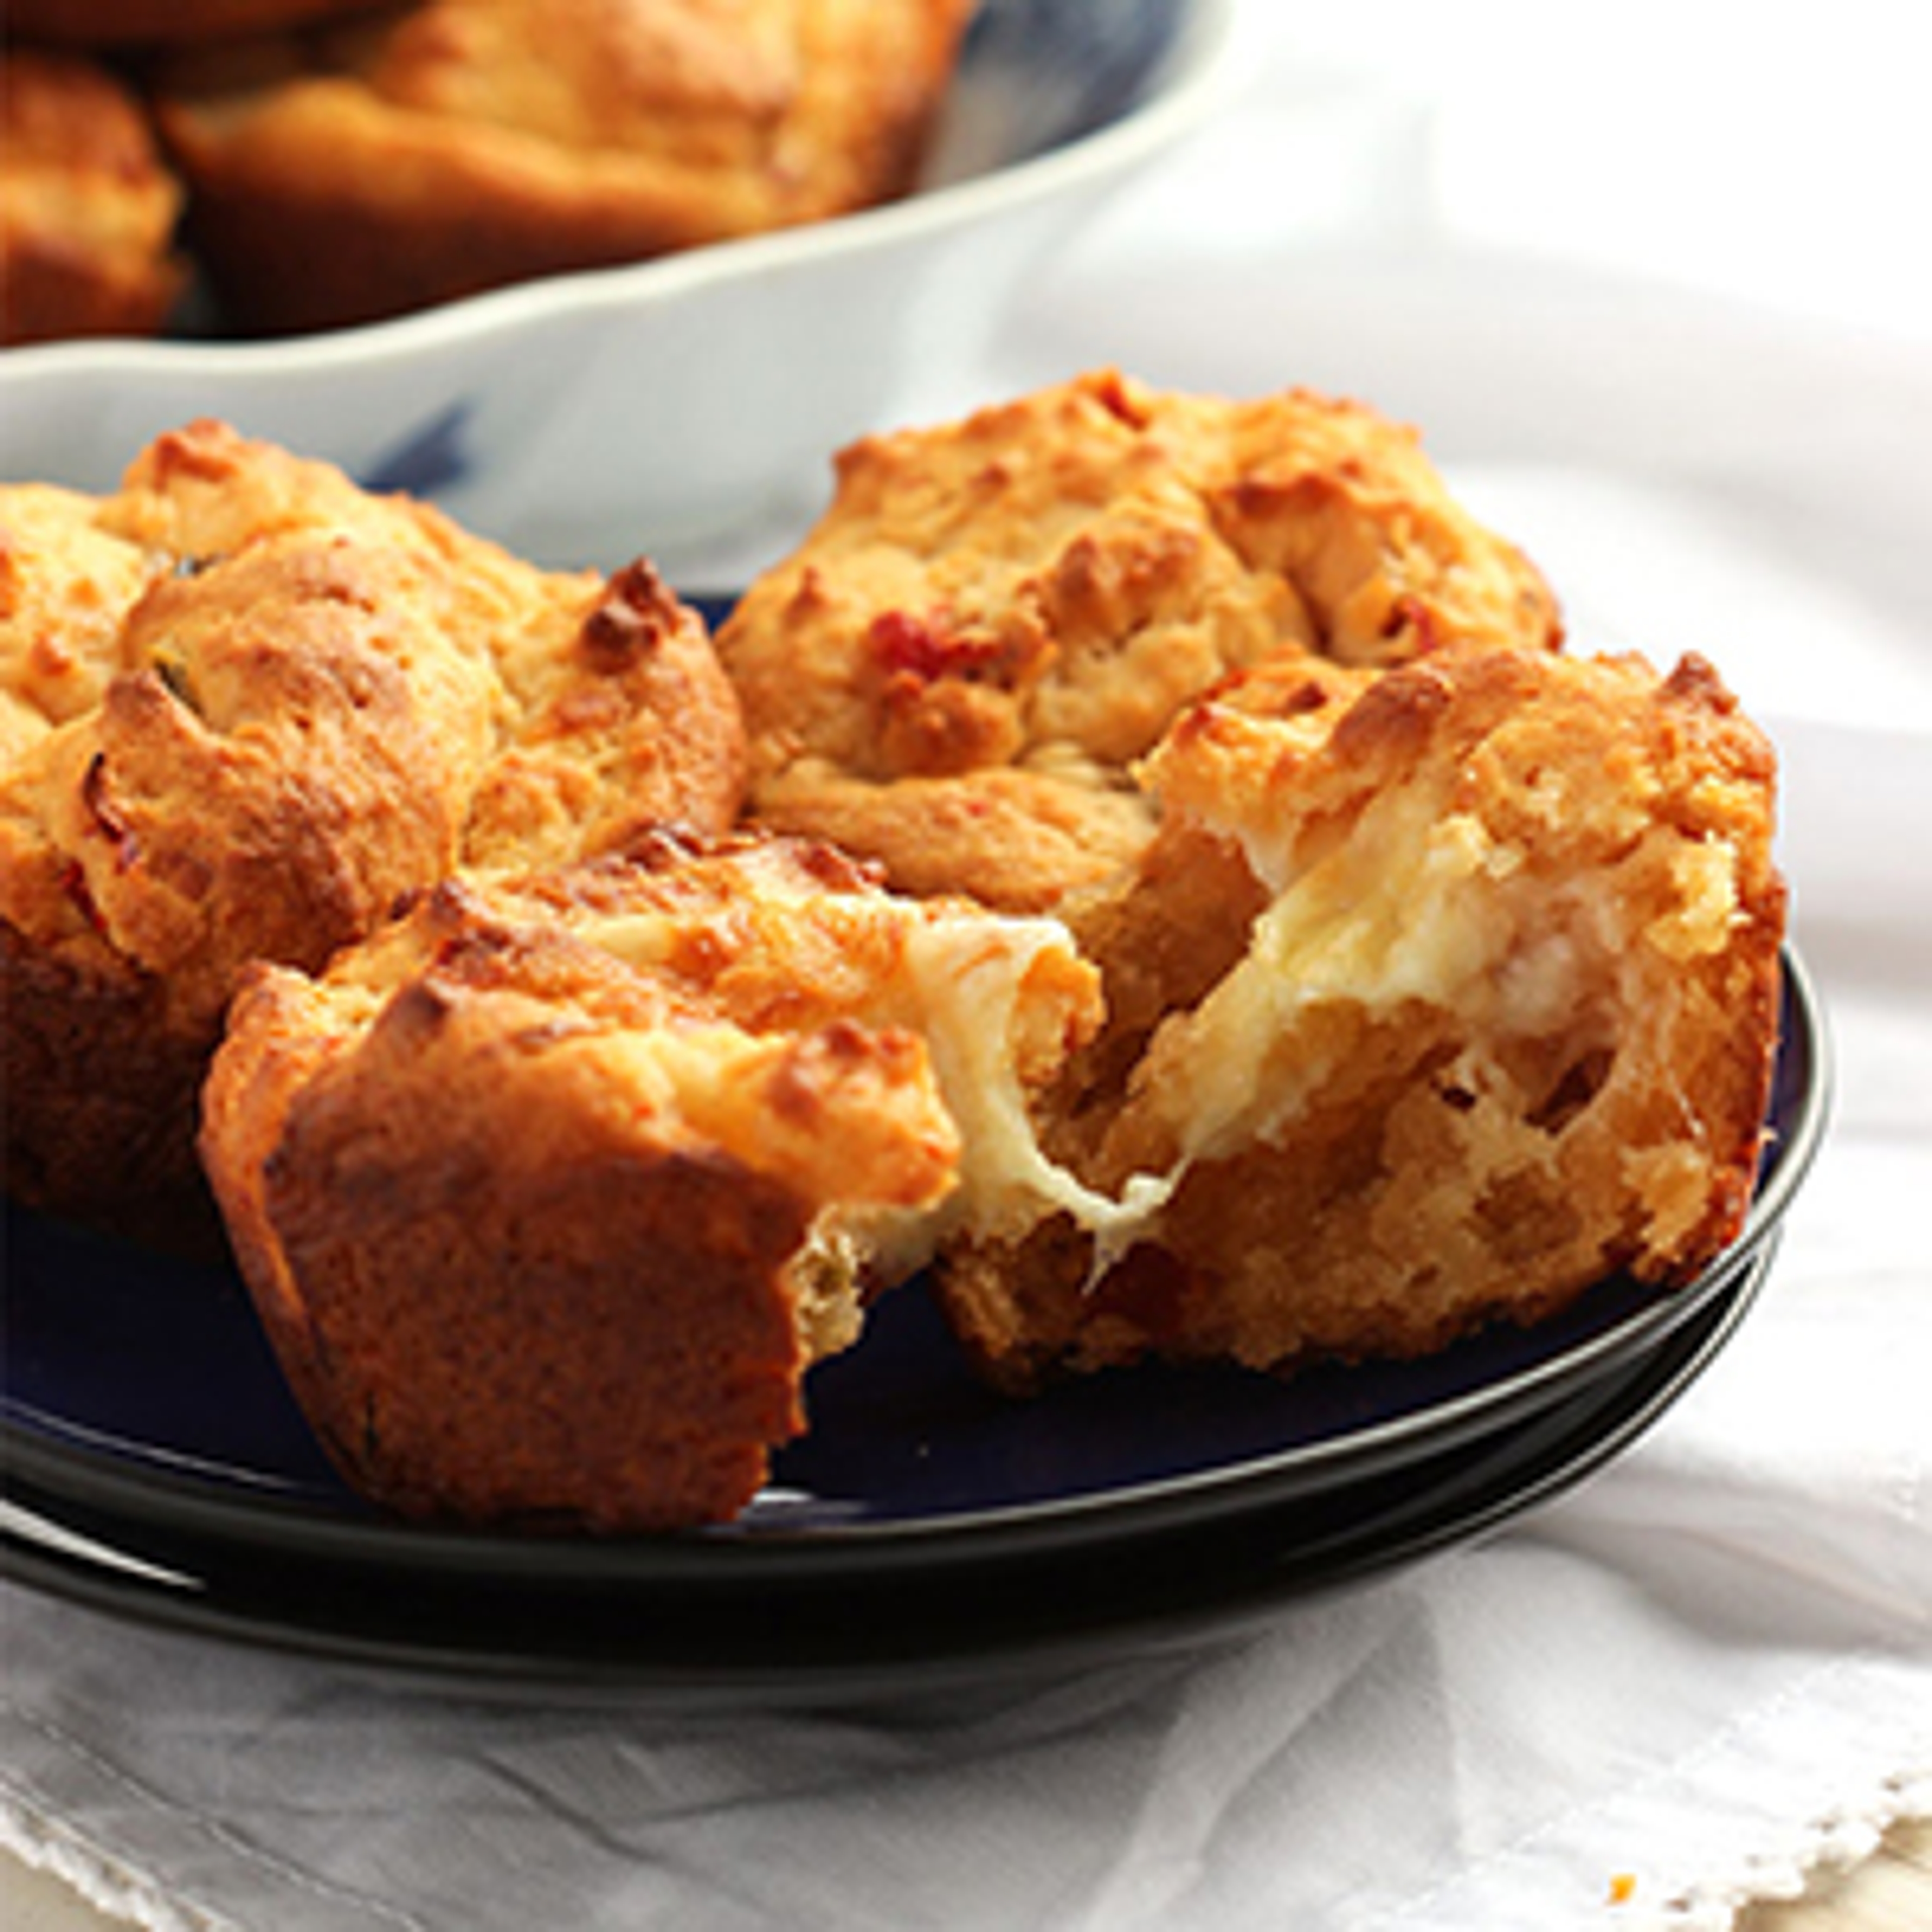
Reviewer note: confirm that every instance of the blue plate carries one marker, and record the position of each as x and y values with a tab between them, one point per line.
155	1465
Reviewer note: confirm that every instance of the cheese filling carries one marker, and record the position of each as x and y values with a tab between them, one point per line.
965	981
969	981
1410	906
1393	914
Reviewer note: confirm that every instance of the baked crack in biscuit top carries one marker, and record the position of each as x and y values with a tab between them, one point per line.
955	671
436	150
550	1193
1443	994
244	707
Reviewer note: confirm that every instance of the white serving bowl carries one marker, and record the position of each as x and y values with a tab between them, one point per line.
664	406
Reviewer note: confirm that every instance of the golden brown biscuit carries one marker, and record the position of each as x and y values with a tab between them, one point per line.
550	1194
247	707
956	671
457	145
1443	994
87	207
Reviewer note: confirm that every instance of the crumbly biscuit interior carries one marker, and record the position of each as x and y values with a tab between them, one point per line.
1437	998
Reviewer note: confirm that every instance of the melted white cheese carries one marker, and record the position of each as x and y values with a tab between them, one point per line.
969	978
965	979
1393	914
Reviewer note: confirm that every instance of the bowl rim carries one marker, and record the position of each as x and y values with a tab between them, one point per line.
1195	66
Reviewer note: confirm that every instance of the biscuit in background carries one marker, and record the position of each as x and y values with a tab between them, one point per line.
430	152
87	207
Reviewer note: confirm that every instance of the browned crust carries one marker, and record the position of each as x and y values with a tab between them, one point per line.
99	1097
87	207
531	1313
455	147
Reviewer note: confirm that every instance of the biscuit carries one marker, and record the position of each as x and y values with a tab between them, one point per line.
956	671
430	153
88	208
247	706
1444	993
550	1193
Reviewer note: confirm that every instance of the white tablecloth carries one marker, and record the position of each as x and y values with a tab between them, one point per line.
1674	1688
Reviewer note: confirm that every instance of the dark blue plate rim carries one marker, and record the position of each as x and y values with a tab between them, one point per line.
920	1633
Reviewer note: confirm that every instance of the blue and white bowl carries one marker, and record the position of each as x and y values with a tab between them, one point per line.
665	406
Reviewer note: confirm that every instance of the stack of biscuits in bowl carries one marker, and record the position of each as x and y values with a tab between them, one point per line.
1145	870
318	163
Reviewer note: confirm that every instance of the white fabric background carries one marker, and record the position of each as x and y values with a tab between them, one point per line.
1653	297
